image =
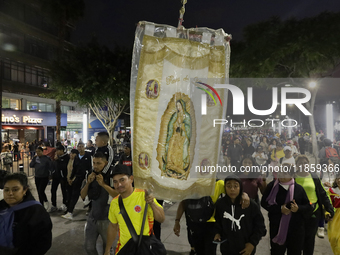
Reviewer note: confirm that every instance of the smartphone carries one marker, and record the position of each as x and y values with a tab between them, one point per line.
219	242
289	205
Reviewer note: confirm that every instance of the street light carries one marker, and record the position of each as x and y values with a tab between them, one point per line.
312	84
329	121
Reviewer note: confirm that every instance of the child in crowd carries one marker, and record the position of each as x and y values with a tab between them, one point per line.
334	225
237	230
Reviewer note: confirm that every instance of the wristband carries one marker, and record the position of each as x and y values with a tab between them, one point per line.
177	220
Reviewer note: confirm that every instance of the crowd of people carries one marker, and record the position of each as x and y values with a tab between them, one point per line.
298	202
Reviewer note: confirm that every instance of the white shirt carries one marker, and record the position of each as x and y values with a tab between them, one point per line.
290	160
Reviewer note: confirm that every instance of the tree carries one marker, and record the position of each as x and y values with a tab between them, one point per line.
63	14
291	48
95	77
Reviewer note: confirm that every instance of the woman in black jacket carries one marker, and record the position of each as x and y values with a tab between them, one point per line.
238	230
287	205
32	226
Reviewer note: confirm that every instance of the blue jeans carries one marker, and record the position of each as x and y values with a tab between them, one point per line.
93	229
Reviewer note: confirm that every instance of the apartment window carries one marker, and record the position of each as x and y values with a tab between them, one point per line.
10	103
41	107
32	106
49	108
65	108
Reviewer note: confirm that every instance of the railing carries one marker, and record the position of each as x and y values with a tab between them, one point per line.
20	163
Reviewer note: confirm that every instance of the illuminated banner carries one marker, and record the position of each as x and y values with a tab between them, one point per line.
171	138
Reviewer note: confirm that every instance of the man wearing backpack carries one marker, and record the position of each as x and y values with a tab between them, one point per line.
328	152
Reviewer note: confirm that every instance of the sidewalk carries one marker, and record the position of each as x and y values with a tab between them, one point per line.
68	236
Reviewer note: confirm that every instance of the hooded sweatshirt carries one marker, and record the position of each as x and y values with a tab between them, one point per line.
43	166
236	225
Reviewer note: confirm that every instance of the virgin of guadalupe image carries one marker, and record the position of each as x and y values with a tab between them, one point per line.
176	159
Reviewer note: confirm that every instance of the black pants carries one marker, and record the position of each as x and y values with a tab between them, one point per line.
74	193
41	184
293	244
203	237
311	227
189	234
55	183
157	225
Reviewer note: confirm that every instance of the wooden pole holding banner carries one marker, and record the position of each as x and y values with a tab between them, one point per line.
181	14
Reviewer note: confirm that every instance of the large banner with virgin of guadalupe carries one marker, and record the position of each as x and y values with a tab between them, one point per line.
173	107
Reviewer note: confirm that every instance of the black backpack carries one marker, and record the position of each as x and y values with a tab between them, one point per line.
199	210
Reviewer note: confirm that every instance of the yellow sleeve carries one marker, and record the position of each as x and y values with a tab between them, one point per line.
113	208
219	189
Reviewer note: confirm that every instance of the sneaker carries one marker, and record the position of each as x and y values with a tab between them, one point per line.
47	205
63	207
52	209
68	216
321	232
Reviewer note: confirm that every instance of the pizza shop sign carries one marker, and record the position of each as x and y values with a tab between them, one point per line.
24	119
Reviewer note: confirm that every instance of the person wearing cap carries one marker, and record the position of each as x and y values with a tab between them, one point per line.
295	151
134	201
238	230
288	158
125	159
98	189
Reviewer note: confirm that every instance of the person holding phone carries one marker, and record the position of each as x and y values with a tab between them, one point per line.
237	230
287	205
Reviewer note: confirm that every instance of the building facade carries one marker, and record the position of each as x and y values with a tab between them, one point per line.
28	44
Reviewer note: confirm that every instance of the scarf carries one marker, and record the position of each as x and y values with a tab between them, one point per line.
281	236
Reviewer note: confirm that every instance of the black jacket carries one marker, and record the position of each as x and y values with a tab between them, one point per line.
323	199
61	166
235	152
81	166
32	229
274	211
248	150
43	166
91	150
239	226
108	152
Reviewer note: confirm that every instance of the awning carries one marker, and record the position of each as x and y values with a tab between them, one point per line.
22	127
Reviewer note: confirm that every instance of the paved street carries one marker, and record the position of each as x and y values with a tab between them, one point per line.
68	236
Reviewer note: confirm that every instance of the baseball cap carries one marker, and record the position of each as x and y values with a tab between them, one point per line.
121	169
287	148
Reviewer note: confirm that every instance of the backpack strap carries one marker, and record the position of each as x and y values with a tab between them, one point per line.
25	205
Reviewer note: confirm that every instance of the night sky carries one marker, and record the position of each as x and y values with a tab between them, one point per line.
114	21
